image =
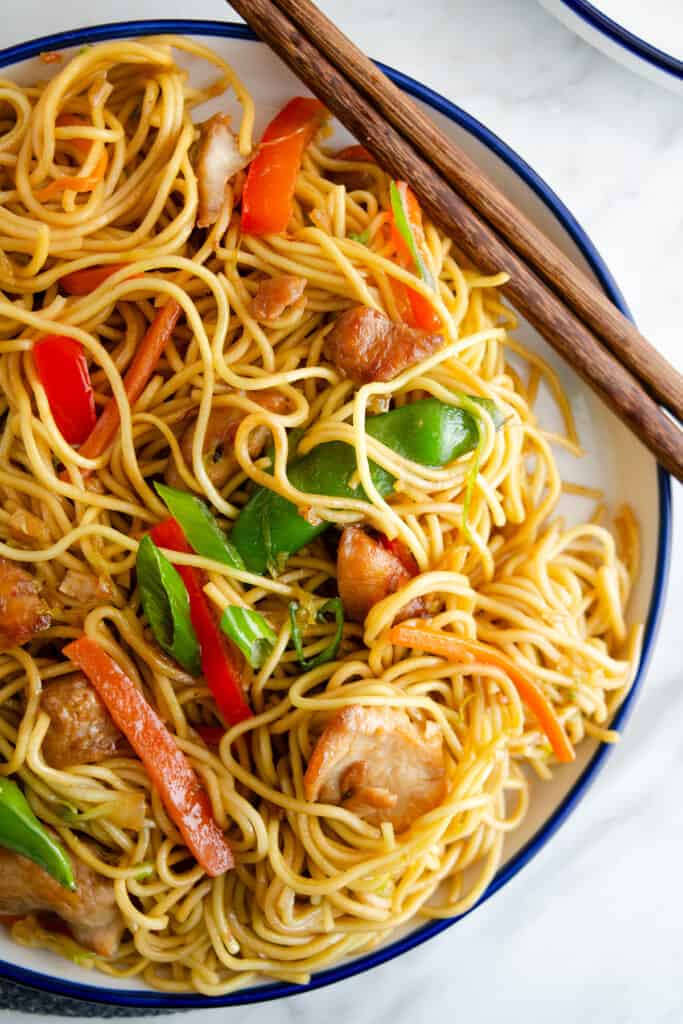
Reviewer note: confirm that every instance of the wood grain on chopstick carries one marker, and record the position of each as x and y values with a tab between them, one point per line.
541	306
591	304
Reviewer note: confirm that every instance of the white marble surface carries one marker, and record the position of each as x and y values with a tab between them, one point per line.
591	929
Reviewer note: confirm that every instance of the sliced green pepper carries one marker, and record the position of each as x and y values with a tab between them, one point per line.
21	832
429	432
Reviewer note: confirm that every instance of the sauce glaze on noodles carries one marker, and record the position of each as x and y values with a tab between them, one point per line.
313	882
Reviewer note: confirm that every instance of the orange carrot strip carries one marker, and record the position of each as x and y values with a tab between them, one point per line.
168	768
422	313
135	380
435	641
85	184
69	120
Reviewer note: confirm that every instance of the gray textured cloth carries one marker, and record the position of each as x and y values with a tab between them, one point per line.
30	1000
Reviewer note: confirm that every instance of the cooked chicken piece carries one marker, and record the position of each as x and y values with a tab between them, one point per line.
367	572
366	345
219	456
275	295
81	729
218	160
23	613
27	527
90	911
86	588
380	764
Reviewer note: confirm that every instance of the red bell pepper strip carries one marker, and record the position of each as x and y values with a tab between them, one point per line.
269	188
436	641
83	282
422	313
168	768
221	663
211	734
63	371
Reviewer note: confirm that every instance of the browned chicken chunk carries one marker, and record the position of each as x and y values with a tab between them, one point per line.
275	295
366	345
81	729
90	911
23	612
367	573
28	528
218	160
86	588
219	456
380	764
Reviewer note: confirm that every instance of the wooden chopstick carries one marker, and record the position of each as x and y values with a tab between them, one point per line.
612	381
621	336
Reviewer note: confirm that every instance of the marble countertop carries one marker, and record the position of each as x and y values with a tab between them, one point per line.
591	929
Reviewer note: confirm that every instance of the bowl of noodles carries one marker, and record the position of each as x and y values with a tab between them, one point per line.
325	588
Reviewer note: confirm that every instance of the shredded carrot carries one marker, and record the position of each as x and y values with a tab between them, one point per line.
147	356
169	770
75	184
421	312
435	641
66	120
86	184
51	58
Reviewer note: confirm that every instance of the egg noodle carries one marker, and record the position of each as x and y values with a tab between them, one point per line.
313	882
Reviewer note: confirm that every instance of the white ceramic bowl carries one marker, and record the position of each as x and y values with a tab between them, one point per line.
643	35
615	461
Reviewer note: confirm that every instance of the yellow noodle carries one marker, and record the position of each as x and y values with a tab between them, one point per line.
313	882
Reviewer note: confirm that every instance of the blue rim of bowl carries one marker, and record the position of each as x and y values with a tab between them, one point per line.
151	999
657	58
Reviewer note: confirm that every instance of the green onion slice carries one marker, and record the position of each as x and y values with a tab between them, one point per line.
398	208
331	607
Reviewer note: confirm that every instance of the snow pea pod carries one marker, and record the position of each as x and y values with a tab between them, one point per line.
429	432
21	832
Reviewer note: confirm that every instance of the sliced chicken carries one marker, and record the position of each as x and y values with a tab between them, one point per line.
380	764
366	345
275	295
23	612
81	729
86	588
219	456
90	911
28	528
218	160
367	573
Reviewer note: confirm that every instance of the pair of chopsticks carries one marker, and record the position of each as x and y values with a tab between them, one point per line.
557	298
